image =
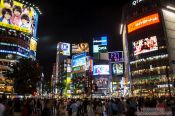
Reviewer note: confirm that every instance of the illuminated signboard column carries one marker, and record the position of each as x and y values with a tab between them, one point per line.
99	46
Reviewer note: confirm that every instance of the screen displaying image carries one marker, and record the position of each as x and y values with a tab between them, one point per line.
117	69
18	16
79	60
145	45
101	70
79	48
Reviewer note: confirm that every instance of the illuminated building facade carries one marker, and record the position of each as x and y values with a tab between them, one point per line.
17	38
63	52
148	34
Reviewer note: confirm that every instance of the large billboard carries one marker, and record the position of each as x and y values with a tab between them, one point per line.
101	70
100	44
17	16
116	56
79	60
81	47
63	49
143	22
145	45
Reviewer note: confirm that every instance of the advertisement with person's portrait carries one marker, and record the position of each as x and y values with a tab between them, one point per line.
145	45
18	16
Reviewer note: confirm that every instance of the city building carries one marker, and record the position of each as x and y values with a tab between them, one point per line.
63	52
148	34
17	38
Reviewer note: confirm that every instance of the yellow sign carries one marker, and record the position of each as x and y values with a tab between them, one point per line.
18	16
33	45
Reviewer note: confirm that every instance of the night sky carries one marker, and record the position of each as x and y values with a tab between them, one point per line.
76	21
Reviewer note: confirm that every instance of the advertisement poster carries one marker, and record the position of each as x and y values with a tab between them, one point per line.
145	45
17	16
101	70
79	48
79	60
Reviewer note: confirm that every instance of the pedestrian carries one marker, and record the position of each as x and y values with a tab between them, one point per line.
74	108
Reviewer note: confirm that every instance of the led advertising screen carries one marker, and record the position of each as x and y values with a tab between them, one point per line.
116	56
143	22
101	70
18	16
100	44
117	69
63	49
81	47
79	59
145	45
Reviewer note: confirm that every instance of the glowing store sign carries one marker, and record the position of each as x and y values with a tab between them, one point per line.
143	22
164	85
135	2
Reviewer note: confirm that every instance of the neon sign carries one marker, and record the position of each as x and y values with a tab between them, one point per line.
143	22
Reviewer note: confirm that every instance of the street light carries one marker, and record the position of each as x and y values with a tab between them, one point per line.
170	7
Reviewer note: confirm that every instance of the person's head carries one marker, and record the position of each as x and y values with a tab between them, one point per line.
8	3
17	10
6	13
26	9
144	43
25	19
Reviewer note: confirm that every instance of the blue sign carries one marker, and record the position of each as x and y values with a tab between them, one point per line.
100	44
116	56
64	46
79	59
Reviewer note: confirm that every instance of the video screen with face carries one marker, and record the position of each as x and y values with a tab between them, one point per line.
145	45
18	16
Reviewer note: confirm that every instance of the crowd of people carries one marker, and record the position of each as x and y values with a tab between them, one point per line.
81	107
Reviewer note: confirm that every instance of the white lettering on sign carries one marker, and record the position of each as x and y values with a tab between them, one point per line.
164	85
97	41
135	2
102	48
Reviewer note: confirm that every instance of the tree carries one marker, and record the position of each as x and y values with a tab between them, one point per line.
25	73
